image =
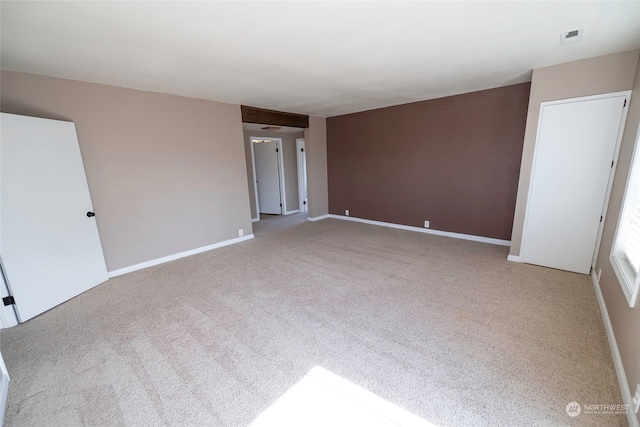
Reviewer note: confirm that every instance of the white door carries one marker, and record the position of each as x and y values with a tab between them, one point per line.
575	149
49	241
302	175
267	177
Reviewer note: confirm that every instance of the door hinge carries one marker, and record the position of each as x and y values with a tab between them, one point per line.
612	163
600	218
304	202
302	149
276	150
280	204
625	103
8	300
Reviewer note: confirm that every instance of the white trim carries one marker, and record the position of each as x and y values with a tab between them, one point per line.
4	387
625	273
612	174
302	172
292	212
283	191
419	230
8	316
615	353
514	258
255	219
627	94
255	180
157	261
318	218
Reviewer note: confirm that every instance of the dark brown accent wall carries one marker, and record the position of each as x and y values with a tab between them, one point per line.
453	161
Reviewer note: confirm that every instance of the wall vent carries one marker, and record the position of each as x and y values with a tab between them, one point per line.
569	37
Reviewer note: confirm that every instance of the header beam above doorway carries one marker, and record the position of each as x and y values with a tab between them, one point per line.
271	117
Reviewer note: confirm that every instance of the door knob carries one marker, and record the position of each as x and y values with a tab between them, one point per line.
90	214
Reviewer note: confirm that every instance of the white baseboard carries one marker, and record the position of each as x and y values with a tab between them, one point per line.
292	212
151	263
255	219
514	258
617	360
318	218
419	230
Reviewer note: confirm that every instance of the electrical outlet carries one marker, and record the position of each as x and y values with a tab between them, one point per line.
241	232
426	224
636	399
346	212
599	273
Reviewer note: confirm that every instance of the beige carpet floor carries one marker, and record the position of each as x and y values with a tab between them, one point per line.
319	323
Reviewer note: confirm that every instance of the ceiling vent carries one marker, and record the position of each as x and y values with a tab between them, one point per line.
271	128
573	36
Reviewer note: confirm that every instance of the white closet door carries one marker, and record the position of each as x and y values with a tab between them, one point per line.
574	150
49	245
268	178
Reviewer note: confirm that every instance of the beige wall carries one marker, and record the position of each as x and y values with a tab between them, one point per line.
603	74
290	166
625	320
166	173
317	184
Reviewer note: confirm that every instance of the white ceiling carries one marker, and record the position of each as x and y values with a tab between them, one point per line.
318	58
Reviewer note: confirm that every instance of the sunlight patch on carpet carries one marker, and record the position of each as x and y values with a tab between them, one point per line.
322	398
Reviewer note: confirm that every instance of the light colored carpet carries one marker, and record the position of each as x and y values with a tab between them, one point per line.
440	330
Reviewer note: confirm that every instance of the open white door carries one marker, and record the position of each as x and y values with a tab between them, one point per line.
267	176
49	240
573	163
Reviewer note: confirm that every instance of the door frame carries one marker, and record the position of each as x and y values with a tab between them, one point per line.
8	317
255	181
616	152
302	172
4	387
283	194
